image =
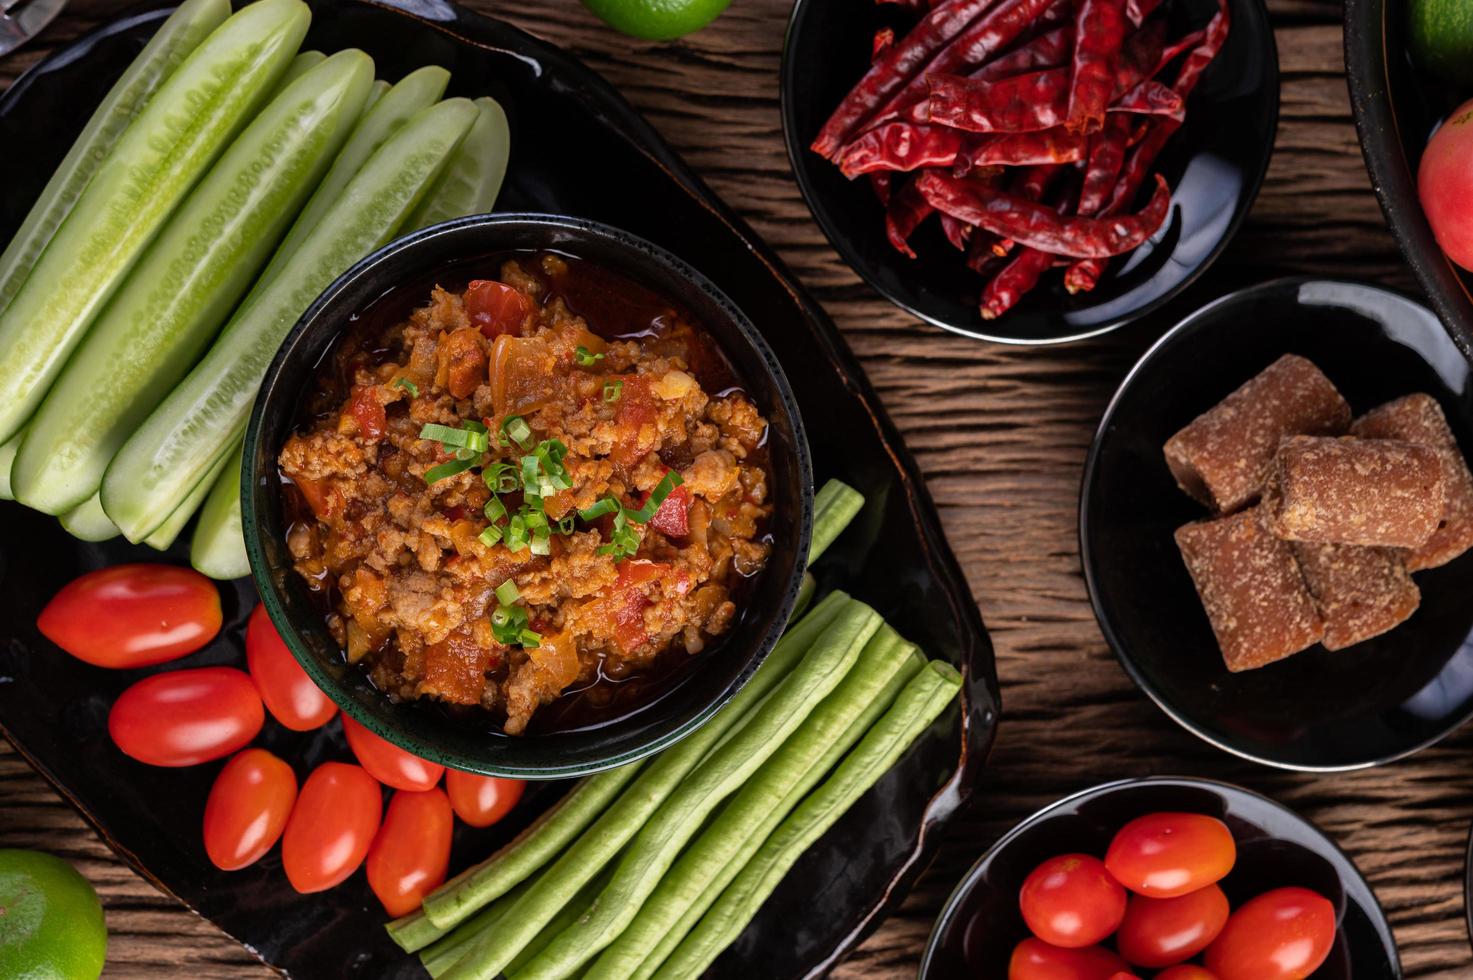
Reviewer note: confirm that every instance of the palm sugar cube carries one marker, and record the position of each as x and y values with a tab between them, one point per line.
1419	419
1251	588
1223	457
1360	592
1374	492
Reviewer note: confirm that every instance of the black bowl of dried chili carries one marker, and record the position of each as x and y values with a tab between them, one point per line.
980	112
335	499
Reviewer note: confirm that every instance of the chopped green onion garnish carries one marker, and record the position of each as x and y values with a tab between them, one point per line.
491	536
508	623
462	438
516	535
500	477
473	425
437	473
623	540
565	525
612	389
408	386
607	505
585	357
517	428
507	592
541	543
529	639
495	510
662	490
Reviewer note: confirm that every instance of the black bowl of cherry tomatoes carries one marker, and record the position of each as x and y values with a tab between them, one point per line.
1163	879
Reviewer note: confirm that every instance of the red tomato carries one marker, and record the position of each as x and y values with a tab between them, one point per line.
411	853
247	808
1186	971
290	695
186	717
388	763
331	827
1445	185
1072	901
1161	931
1163	855
1284	934
368	412
672	519
495	307
1124	976
133	615
480	801
1034	959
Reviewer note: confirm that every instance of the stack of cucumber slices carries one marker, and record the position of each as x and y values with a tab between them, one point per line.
222	184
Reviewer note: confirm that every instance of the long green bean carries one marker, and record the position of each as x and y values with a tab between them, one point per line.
834	506
442	954
565	917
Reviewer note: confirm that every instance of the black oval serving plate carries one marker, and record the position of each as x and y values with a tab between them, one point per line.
1320	711
980	924
1396	108
1215	164
54	708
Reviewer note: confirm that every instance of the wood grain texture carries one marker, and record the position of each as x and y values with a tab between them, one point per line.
1001	435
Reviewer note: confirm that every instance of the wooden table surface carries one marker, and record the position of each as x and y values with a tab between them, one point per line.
1001	435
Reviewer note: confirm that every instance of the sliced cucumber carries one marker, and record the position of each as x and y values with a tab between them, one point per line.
416	91
87	522
185	126
186	285
300	65
218	549
474	177
168	532
186	27
7	460
374	94
176	447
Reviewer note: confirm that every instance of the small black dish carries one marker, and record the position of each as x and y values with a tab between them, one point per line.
387	285
1468	886
980	923
1318	711
1215	165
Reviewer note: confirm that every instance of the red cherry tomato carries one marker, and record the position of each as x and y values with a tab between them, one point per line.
672	519
388	763
1124	976
480	801
290	695
1284	934
186	717
1159	932
496	308
411	853
1186	971
1445	185
247	808
1072	901
1163	855
331	827
133	615
1034	959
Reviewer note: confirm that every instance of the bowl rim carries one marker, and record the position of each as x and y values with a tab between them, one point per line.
1086	553
667	735
797	160
954	900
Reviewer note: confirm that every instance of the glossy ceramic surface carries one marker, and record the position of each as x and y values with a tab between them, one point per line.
1396	108
54	709
981	923
1214	164
1318	710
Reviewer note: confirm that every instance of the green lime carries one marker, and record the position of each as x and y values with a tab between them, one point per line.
1442	38
657	20
51	925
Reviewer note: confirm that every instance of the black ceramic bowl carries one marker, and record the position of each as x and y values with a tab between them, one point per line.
1215	164
1396	108
980	924
391	282
1318	710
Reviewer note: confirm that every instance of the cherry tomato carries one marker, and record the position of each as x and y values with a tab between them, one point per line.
388	763
133	615
480	801
411	853
186	717
1161	931
1284	934
331	827
1124	976
247	808
672	519
1072	901
1445	187
1163	855
1034	959
290	695
1186	971
495	307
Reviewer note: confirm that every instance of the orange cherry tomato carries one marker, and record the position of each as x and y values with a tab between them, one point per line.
1072	901
411	853
1160	932
480	801
133	615
1034	959
186	717
247	808
1163	855
331	827
495	308
1284	934
290	695
388	763
1186	971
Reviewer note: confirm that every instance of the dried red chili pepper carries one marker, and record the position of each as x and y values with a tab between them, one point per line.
880	181
981	259
1039	226
1102	168
1213	38
884	39
1048	50
1021	104
957	232
1099	34
1020	149
1032	184
1015	279
1136	11
1140	56
907	209
901	145
1170	54
1151	99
